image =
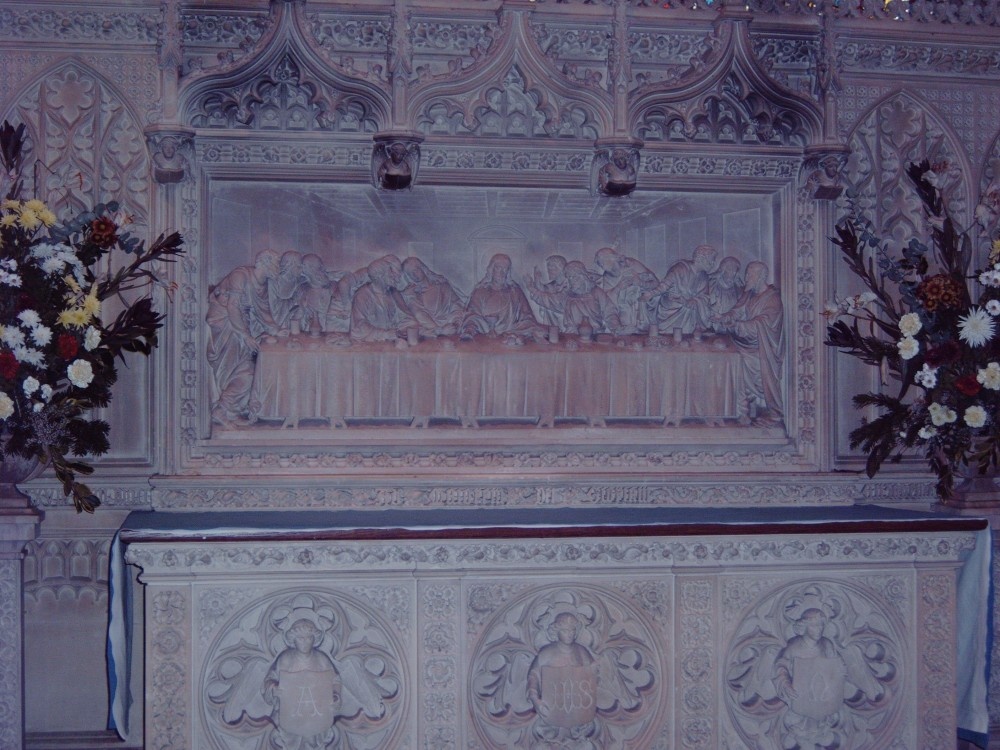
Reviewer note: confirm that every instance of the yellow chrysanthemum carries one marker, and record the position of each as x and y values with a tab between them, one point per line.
11	205
995	252
8	220
48	218
29	219
74	317
74	287
35	205
91	304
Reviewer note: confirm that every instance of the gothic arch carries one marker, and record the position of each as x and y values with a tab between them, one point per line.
284	83
514	53
725	98
86	141
898	129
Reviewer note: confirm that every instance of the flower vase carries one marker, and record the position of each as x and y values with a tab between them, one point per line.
974	489
13	471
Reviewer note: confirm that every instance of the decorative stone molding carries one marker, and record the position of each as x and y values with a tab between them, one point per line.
23	22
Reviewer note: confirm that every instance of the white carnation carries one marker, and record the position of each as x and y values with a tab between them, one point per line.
46	392
80	373
6	405
91	339
30	385
909	324
975	416
989	376
908	347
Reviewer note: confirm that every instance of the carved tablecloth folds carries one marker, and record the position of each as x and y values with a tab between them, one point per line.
597	628
302	377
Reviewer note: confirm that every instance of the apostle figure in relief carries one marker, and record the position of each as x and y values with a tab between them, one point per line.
625	280
586	302
498	305
239	314
550	296
681	299
432	300
317	294
724	289
757	325
378	310
285	290
303	687
562	685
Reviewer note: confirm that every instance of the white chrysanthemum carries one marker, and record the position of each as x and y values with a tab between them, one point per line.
910	325
10	279
6	405
976	328
993	307
12	336
46	392
30	385
80	373
91	339
975	416
29	356
41	335
941	415
29	318
989	376
990	278
927	432
926	376
53	265
908	347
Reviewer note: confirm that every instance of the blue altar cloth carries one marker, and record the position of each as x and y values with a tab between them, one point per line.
974	592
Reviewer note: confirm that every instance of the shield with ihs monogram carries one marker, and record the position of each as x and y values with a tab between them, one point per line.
306	698
818	683
571	694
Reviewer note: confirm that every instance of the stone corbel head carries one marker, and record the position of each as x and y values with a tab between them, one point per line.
395	160
823	171
615	169
169	150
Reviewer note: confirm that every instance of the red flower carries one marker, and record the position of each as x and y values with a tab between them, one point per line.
943	354
68	346
8	365
968	385
103	232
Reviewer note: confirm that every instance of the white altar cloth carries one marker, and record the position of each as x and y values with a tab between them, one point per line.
974	595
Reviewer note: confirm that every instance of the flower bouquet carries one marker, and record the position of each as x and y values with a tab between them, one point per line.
928	323
57	351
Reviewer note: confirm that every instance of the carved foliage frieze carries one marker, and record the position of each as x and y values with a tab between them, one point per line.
315	668
569	666
77	25
818	662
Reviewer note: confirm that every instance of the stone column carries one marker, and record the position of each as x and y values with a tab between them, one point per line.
18	526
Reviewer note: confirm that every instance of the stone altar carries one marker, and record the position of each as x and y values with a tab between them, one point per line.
654	628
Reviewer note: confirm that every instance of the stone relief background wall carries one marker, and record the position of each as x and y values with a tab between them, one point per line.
295	92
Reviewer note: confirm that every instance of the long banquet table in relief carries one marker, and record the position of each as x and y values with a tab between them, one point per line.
302	377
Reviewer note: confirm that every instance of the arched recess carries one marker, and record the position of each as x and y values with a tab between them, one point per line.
515	83
284	84
85	144
897	130
725	98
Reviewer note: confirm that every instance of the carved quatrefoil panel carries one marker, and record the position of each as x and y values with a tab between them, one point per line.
312	669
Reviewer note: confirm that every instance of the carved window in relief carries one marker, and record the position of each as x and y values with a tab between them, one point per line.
307	671
817	665
569	667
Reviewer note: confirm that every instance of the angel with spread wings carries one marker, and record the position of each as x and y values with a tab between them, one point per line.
394	165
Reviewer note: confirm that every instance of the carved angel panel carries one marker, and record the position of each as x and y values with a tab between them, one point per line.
312	669
816	665
569	667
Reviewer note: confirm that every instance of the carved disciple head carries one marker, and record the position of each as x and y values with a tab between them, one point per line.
578	278
704	258
756	276
607	259
498	271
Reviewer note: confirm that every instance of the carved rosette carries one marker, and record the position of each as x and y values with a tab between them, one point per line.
168	713
817	663
440	662
936	666
569	667
308	669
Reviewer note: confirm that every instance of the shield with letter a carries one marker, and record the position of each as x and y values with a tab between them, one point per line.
819	686
306	705
571	694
